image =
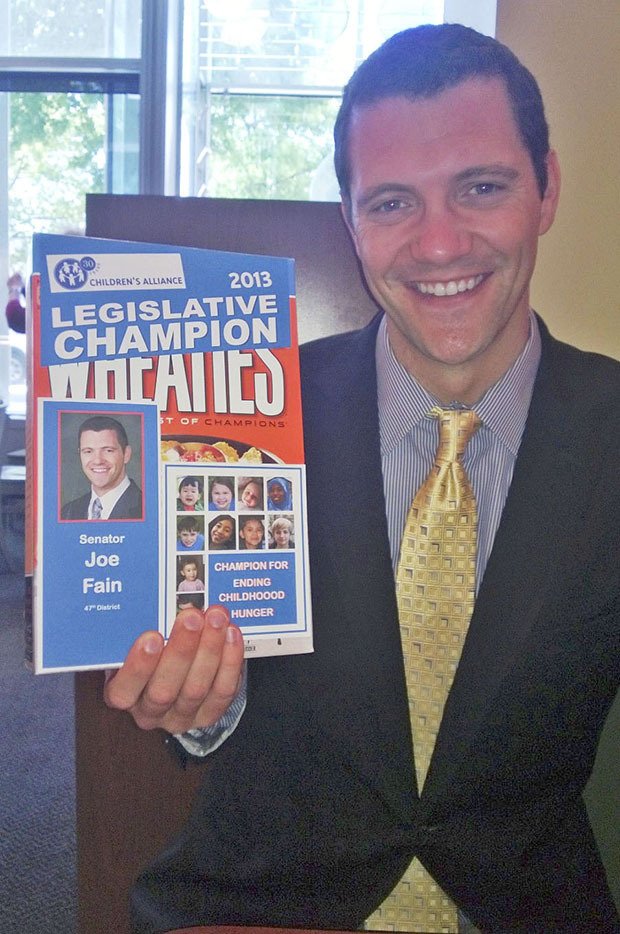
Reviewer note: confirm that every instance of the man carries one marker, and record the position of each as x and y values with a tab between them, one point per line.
104	454
312	813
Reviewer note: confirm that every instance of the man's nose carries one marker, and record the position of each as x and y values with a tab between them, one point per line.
439	236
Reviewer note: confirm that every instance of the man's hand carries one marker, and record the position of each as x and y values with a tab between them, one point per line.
188	683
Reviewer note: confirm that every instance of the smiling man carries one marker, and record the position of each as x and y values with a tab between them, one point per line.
423	770
445	213
104	452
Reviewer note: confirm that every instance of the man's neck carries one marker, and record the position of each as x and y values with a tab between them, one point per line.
113	493
465	382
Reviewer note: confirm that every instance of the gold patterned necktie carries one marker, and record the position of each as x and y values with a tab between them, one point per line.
435	589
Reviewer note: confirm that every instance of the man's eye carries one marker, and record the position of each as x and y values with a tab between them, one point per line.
388	207
484	188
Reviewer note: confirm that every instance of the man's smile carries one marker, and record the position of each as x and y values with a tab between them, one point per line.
451	287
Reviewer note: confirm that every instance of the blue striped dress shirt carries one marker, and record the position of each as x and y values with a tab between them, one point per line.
409	439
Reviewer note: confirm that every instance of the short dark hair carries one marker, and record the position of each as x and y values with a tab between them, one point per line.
243	521
191	481
426	60
104	423
193	559
194	599
225	517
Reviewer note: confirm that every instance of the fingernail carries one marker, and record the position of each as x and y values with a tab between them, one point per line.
193	622
218	618
151	645
232	634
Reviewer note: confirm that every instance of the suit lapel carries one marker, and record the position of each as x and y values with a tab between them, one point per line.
534	522
355	554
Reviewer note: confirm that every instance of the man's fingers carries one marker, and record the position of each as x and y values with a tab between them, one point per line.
226	682
207	658
161	691
213	680
148	677
123	689
189	682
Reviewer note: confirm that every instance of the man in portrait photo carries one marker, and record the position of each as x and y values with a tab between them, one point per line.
105	452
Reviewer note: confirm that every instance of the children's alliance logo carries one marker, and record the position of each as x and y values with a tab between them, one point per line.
72	273
114	272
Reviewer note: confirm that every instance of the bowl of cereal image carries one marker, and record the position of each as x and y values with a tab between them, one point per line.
190	449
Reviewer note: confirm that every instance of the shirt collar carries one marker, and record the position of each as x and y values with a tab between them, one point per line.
109	500
403	402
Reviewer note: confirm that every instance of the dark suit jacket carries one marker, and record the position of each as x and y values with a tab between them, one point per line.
309	814
129	506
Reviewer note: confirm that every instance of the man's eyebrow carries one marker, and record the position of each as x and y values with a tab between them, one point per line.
393	189
496	170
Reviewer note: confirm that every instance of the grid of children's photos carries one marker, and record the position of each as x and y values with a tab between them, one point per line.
229	510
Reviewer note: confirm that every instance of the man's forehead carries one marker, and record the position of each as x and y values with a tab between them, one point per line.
106	437
475	103
400	140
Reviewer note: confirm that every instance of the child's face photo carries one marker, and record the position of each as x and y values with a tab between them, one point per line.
188	537
221	495
189	572
222	531
282	536
189	494
277	492
252	533
252	495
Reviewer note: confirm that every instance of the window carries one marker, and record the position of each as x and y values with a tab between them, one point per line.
262	81
61	145
235	98
69	123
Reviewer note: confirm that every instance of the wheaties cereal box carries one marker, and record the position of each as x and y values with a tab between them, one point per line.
165	462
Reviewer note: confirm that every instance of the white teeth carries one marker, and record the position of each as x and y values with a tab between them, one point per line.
440	289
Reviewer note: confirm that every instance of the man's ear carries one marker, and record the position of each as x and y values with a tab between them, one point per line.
552	193
127	454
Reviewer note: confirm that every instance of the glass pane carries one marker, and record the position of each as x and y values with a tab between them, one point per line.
84	28
297	43
60	147
240	48
123	155
251	157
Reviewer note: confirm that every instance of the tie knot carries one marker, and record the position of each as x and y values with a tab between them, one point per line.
456	427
